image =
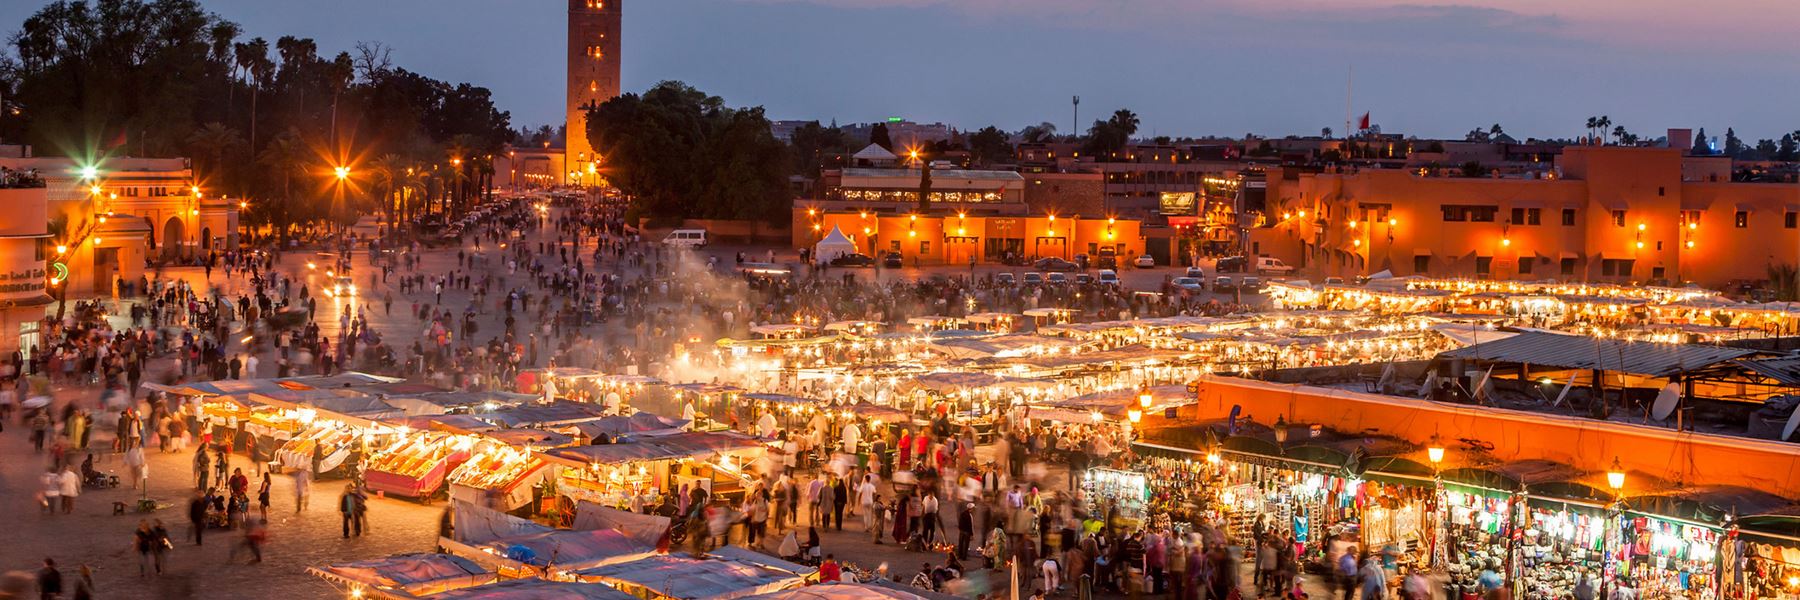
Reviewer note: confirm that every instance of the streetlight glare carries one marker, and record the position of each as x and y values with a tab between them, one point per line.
343	172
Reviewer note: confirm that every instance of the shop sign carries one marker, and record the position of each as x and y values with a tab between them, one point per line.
1178	203
22	281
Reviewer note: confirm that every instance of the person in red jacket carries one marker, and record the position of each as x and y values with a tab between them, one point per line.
829	570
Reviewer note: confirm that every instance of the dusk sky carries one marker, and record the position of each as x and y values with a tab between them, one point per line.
1187	67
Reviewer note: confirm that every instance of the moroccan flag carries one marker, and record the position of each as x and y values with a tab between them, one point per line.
1365	122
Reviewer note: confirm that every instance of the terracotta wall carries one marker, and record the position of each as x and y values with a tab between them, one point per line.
1647	452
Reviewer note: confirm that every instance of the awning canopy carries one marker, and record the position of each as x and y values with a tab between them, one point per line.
536	589
411	574
681	445
1583	352
680	576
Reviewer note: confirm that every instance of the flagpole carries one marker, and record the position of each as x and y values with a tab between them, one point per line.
1348	79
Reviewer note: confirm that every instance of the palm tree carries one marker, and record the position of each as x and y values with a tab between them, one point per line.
1603	123
1592	123
461	150
1619	134
1126	121
212	141
338	73
386	171
284	156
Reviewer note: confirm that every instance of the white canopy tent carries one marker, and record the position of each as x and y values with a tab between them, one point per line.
833	245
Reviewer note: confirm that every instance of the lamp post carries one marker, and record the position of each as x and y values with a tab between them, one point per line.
1615	479
1435	452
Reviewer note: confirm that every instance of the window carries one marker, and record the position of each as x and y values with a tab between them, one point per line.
924	247
1376	212
1484	265
596	52
1478	214
1525	265
1690	216
1618	217
894	245
1568	217
1658	273
1616	267
1660	191
1790	220
1093	249
1741	219
1659	245
1421	264
1568	266
1527	216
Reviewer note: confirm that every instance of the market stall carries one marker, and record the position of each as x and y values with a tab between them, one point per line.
515	547
1117	493
417	465
496	476
639	473
683	577
405	576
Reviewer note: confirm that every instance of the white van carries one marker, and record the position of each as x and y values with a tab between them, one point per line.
1265	264
686	238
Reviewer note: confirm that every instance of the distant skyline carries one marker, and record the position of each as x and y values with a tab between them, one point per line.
1187	67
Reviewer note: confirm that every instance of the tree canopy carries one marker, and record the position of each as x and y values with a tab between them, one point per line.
680	153
168	78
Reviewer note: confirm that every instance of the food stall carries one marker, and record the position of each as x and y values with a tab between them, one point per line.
683	577
496	476
643	470
405	576
417	464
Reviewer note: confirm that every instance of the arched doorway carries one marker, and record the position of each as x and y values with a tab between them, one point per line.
206	241
172	237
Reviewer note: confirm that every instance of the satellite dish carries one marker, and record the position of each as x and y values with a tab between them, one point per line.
1231	423
1793	420
1666	401
1565	392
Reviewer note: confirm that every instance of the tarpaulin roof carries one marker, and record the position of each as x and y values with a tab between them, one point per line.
707	388
414	574
534	438
1784	370
1582	352
649	530
480	525
570	549
983	347
685	577
1710	504
852	591
225	387
439	402
681	445
615	425
1128	354
1116	402
536	589
781	398
1180	321
560	413
753	557
877	411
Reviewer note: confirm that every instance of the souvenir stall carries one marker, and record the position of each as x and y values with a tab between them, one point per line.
1478	526
323	446
1558	540
497	476
995	322
1127	492
1668	558
1767	565
417	464
1181	487
1395	521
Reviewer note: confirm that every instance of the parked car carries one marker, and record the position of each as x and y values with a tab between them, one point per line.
1334	281
1005	279
1083	279
1108	258
1273	266
1223	284
1251	284
1191	284
1081	260
853	259
1231	264
1145	262
1034	278
1195	273
1057	279
1108	277
892	261
1053	264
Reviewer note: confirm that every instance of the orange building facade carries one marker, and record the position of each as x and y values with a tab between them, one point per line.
1605	214
938	239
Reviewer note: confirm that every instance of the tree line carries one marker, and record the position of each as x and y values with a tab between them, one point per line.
265	121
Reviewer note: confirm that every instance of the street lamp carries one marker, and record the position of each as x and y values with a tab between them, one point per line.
1435	452
341	172
1144	399
1615	477
1281	430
